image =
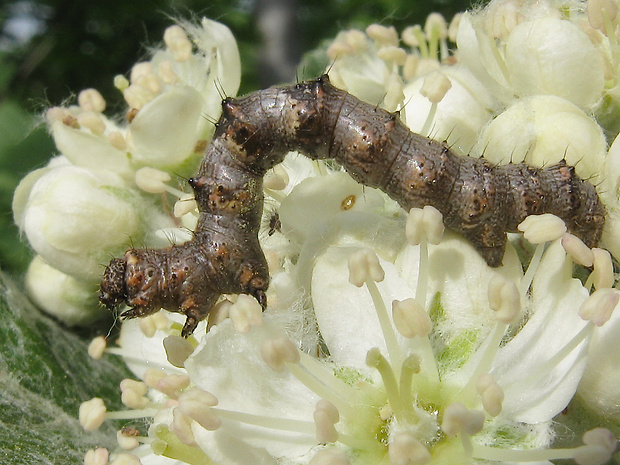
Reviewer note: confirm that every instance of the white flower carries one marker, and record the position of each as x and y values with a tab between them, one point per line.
544	130
91	202
466	365
58	293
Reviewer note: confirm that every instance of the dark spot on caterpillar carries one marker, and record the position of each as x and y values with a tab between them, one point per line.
477	199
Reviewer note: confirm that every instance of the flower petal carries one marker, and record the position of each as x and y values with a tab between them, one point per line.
346	314
165	131
229	364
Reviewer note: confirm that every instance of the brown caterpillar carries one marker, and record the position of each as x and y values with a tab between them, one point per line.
254	133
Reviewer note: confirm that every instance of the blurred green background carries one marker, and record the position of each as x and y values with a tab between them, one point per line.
50	50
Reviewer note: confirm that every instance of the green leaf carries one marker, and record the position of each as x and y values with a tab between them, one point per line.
45	374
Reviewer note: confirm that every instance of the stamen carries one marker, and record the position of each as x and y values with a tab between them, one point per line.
280	424
491	394
91	100
364	266
504	299
458	419
423	226
326	376
600	11
599	447
389	336
276	179
185	204
603	274
538	229
277	352
172	385
96	348
178	349
126	459
382	35
166	72
602	443
410	366
92	413
410	318
133	394
196	404
435	87
245	313
92	121
97	456
405	449
374	359
177	42
599	306
579	252
330	457
152	180
181	426
325	417
126	442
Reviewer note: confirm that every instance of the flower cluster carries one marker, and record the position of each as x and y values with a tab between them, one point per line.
387	340
107	185
426	355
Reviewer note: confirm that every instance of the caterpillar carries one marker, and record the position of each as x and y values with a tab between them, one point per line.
477	199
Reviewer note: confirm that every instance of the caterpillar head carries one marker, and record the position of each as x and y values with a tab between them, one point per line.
113	288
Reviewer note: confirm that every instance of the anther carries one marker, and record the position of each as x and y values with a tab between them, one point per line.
405	449
363	266
538	229
277	352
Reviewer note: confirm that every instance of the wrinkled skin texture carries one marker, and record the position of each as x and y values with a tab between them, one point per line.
477	199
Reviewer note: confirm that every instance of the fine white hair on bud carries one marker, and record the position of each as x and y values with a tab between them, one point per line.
363	266
538	229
